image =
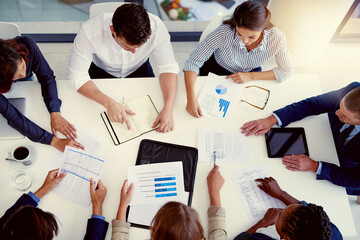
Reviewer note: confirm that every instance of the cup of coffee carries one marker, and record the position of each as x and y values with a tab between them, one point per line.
20	153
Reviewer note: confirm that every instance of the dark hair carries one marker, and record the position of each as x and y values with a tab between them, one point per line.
307	222
11	53
131	21
352	101
176	221
30	223
250	15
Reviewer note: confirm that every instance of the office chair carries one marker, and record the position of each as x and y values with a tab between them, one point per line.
9	30
105	7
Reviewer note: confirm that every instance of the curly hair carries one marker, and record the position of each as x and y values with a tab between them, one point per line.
132	22
11	52
308	222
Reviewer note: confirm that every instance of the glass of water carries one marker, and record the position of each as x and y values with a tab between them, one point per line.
21	180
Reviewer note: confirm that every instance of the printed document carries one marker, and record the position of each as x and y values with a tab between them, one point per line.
218	97
230	146
156	183
255	201
89	140
80	168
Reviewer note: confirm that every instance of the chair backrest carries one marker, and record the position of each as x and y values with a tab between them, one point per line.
214	24
106	7
9	30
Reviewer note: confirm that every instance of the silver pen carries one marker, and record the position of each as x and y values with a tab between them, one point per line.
214	155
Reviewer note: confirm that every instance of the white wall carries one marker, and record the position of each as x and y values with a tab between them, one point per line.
308	24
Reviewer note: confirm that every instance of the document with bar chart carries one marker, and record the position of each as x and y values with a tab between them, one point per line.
156	183
218	96
80	167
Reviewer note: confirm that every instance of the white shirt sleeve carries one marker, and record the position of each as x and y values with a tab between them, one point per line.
163	51
81	56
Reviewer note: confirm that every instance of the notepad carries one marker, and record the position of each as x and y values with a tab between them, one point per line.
145	116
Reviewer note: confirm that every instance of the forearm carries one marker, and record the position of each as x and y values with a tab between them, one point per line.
168	85
341	176
266	75
90	90
121	213
287	198
190	78
254	228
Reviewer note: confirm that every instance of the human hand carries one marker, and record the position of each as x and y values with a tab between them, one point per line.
58	123
166	121
97	195
241	77
193	108
117	113
50	182
270	186
215	182
270	217
125	199
60	144
258	127
300	163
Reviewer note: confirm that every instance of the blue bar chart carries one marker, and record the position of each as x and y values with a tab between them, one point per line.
223	106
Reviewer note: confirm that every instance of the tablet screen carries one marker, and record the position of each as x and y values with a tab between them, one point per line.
286	141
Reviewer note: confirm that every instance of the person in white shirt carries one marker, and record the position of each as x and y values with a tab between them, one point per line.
118	45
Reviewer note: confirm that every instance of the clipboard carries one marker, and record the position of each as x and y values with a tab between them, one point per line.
151	151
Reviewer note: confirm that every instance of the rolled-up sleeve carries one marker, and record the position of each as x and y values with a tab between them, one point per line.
217	223
163	51
81	56
284	67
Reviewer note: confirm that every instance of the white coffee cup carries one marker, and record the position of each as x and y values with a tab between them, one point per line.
20	153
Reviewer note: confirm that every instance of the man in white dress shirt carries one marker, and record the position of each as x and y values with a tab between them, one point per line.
118	45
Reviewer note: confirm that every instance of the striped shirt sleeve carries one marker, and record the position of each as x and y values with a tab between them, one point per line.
283	60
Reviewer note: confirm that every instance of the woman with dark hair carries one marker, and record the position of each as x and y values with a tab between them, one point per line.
176	220
238	49
19	58
298	221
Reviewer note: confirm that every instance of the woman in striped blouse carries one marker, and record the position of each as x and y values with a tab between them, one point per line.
238	49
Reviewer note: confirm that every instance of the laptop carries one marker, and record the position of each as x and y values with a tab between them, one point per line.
8	132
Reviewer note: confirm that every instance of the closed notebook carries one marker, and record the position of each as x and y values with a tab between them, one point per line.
145	116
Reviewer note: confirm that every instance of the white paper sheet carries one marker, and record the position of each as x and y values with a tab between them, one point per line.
230	145
80	167
218	97
156	183
256	202
90	142
144	214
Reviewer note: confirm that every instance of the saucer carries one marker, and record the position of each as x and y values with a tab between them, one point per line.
21	166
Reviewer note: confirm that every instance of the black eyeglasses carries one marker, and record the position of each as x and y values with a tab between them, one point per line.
266	101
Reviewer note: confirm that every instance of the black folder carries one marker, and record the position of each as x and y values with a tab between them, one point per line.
151	151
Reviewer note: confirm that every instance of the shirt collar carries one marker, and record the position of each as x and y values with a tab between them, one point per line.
260	47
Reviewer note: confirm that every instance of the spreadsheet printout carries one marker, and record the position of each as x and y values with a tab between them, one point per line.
157	183
80	168
255	201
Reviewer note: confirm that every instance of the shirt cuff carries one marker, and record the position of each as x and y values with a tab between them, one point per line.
34	197
279	123
215	211
98	216
318	171
119	223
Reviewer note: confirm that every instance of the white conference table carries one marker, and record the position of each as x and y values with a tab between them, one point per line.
78	109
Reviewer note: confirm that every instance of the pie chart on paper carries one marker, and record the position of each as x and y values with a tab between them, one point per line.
221	89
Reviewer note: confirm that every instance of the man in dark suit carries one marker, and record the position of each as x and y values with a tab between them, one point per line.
343	109
43	225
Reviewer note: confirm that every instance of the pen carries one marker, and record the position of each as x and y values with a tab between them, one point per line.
214	154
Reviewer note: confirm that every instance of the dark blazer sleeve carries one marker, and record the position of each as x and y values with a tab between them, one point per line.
96	229
346	177
324	103
24	200
45	76
21	123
